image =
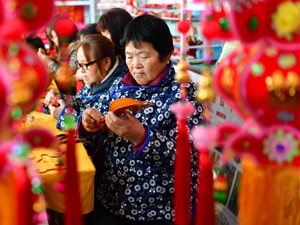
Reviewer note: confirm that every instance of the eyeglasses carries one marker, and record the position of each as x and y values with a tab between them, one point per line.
84	66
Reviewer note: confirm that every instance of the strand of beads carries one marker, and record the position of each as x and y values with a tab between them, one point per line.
183	27
206	92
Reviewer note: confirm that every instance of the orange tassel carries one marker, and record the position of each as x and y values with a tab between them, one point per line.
8	200
269	194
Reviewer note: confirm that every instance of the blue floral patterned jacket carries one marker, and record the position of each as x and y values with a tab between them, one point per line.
139	186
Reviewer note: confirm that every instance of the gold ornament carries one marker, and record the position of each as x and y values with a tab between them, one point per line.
182	77
282	87
206	91
183	66
64	76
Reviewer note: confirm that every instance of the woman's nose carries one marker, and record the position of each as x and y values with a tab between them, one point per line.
136	63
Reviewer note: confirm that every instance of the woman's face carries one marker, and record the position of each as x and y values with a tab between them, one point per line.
54	38
106	34
92	75
144	63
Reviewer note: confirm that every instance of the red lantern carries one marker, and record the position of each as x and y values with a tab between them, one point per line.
183	26
64	27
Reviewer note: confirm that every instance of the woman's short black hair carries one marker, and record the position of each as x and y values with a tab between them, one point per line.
114	21
150	29
88	29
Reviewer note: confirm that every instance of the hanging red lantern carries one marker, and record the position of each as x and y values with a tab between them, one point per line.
183	26
64	27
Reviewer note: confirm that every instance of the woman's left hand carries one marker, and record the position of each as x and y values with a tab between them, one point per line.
56	111
129	128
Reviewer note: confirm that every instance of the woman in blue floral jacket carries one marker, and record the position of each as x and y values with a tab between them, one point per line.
135	161
99	67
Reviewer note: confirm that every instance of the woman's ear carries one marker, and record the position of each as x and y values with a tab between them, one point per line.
168	58
107	63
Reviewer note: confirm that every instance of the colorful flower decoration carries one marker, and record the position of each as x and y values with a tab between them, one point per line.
275	145
29	118
286	20
281	147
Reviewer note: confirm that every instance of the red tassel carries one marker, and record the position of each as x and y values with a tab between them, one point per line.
24	196
182	192
205	204
72	195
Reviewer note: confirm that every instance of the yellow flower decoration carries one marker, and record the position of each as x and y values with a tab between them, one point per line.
286	20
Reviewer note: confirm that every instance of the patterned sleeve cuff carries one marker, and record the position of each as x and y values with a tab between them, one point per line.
139	145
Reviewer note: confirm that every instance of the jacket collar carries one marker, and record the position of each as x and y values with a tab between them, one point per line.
110	78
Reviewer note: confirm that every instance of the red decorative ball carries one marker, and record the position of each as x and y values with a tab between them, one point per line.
64	27
183	26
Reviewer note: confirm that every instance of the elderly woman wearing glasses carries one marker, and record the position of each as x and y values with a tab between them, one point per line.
99	66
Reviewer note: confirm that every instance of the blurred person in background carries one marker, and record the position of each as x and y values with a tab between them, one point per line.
33	40
53	63
111	24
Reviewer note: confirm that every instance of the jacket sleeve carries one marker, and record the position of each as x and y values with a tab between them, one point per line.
76	103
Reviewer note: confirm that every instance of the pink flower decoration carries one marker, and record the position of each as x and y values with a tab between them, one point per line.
204	137
182	110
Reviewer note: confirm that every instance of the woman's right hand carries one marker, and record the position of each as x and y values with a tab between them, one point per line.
51	95
90	120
